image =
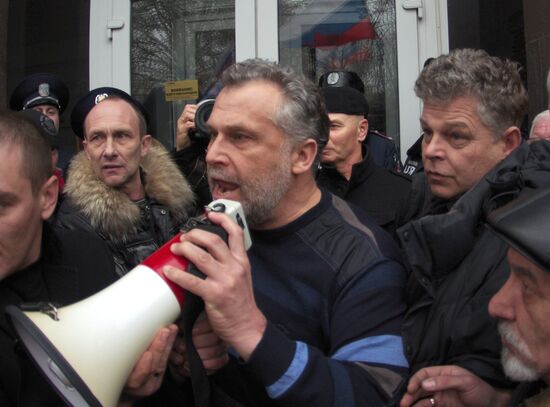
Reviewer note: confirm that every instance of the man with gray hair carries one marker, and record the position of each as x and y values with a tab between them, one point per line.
314	309
473	105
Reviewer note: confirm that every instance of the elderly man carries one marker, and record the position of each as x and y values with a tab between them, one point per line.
473	105
540	128
521	306
41	264
348	169
314	309
123	186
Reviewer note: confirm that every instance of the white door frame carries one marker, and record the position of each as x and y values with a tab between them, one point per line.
421	33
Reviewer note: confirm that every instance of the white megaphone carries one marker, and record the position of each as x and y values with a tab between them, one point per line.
88	349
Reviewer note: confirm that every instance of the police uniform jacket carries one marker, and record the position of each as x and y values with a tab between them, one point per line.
132	230
457	264
374	189
73	265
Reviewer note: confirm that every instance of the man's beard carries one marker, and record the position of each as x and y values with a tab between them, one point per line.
514	367
260	193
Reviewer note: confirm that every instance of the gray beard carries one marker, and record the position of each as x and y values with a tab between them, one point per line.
514	367
261	193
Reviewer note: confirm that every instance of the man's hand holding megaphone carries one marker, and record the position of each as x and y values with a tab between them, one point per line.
148	373
227	291
210	348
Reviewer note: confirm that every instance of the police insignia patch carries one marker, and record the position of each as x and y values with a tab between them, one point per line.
44	89
101	97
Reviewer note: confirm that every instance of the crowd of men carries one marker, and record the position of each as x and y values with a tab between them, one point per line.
363	287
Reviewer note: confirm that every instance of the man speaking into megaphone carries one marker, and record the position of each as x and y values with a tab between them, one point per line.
40	264
313	310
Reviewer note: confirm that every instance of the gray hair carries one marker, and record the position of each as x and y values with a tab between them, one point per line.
302	112
545	114
493	81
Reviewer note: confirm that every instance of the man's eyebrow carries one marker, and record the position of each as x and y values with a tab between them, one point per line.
7	196
447	125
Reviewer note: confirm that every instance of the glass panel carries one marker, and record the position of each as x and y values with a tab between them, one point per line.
316	36
176	40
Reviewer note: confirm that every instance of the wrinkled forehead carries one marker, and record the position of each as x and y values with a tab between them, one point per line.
111	111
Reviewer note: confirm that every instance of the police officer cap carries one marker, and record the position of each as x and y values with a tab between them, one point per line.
40	89
92	98
345	100
525	225
342	78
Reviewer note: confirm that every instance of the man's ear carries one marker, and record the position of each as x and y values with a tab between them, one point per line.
48	197
511	140
363	130
85	146
303	156
145	144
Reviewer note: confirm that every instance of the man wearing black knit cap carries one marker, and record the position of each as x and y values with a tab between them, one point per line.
347	167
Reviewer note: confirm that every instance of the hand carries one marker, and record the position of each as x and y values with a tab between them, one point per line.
148	373
212	351
227	291
451	386
185	122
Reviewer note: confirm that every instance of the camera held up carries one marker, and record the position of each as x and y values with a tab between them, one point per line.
201	132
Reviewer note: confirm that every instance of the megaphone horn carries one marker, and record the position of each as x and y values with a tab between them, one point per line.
88	349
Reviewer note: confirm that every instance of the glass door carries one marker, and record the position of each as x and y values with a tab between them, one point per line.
316	36
179	49
166	53
157	48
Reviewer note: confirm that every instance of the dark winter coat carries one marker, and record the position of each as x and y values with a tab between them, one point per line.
457	265
377	191
73	266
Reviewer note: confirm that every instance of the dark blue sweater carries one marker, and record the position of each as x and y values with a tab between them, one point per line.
331	288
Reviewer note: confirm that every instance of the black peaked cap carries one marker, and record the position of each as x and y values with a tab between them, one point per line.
40	89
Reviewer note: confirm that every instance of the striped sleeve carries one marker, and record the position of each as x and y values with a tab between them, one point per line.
366	362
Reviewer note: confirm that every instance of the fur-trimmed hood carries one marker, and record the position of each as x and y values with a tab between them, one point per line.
110	211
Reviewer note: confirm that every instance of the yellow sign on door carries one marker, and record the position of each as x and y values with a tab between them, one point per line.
181	90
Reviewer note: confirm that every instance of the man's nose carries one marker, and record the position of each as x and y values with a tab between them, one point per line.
215	152
501	306
433	147
110	147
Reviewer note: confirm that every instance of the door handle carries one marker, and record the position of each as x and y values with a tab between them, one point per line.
412	5
114	25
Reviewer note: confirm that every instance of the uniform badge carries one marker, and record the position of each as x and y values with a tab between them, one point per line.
333	78
44	89
47	125
101	97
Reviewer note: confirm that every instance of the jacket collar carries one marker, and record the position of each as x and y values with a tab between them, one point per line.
437	244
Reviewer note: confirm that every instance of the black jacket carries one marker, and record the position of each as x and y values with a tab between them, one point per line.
377	191
457	265
73	266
